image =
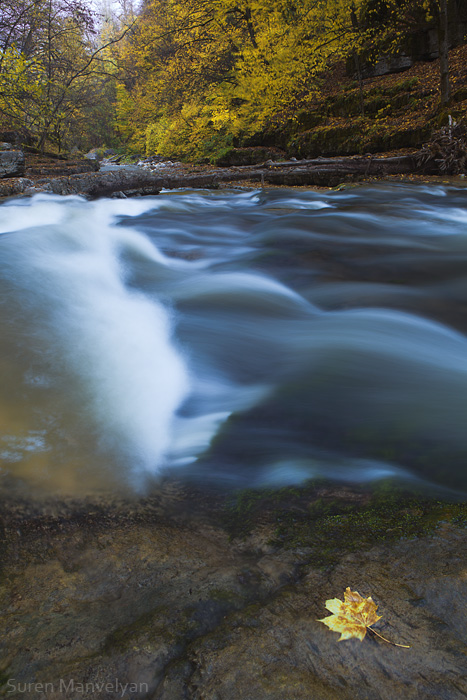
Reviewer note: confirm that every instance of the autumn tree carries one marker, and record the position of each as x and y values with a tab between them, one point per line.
53	68
21	76
198	75
197	72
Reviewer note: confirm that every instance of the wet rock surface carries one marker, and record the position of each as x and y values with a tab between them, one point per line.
174	596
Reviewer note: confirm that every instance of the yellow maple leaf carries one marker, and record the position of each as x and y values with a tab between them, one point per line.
353	616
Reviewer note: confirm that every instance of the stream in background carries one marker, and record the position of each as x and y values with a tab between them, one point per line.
242	338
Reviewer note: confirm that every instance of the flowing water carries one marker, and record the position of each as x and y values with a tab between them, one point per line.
235	337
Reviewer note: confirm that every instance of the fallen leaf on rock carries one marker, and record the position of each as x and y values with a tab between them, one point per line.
353	616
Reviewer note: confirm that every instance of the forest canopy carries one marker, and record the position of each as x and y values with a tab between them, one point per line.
56	72
185	78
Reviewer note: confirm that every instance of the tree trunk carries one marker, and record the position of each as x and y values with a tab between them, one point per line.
443	44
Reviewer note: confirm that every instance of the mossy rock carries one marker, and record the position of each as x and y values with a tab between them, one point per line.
331	521
349	104
305	120
395	139
364	137
248	156
327	141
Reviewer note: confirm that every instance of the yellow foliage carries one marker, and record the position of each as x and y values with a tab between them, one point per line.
220	66
208	68
21	80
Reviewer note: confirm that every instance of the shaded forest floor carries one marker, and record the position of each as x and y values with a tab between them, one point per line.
390	112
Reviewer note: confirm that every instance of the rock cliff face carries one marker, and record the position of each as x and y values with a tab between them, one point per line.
43	166
12	163
420	45
154	594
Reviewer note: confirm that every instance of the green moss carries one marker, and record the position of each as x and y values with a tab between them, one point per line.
307	119
247	156
246	507
331	527
328	140
362	135
330	521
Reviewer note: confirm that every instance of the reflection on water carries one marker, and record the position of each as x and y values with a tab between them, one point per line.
241	337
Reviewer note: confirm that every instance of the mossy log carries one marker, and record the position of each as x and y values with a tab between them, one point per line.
329	172
324	172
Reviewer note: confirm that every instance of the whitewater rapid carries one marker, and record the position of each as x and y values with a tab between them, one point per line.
240	337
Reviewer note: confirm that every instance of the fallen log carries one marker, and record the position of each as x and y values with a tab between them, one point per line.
387	161
323	172
333	171
132	181
100	184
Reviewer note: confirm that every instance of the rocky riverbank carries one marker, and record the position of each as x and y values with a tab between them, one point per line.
20	176
195	594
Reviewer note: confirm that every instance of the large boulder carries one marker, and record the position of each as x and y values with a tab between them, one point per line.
11	163
10	187
94	154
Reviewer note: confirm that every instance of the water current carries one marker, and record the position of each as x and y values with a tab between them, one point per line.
239	337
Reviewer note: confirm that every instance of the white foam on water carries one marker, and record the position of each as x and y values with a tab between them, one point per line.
295	471
113	342
444	216
188	200
296	203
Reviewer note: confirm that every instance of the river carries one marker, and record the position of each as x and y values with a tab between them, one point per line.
234	337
